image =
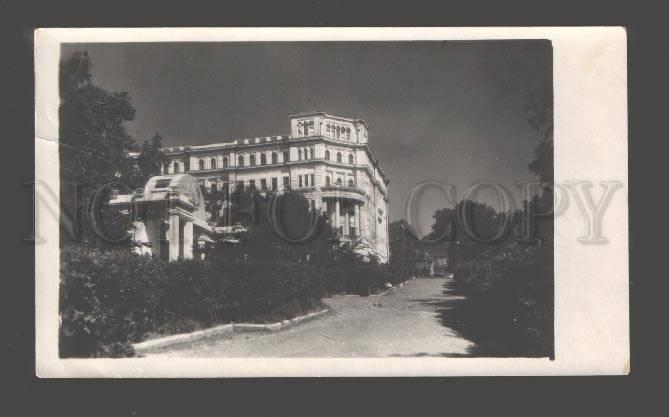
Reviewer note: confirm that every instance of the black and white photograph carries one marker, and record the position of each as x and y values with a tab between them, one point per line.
395	200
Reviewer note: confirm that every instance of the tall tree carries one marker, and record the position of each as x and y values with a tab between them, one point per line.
94	142
539	111
403	245
149	161
93	136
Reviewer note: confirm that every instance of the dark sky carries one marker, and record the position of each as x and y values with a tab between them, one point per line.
446	111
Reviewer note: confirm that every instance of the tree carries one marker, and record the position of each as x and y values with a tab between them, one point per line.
468	224
93	137
293	217
403	245
539	111
94	142
149	160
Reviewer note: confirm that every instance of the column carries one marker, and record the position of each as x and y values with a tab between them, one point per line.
357	219
336	214
347	224
188	240
173	237
363	222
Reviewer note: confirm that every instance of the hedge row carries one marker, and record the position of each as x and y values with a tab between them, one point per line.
509	306
110	299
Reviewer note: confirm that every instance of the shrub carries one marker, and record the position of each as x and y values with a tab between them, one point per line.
103	301
111	299
508	310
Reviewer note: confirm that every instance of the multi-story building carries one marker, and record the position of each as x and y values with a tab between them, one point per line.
326	157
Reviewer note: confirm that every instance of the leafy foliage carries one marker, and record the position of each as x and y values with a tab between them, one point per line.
508	310
149	161
110	299
539	111
403	246
93	137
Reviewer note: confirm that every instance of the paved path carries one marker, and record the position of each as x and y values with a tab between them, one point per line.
402	323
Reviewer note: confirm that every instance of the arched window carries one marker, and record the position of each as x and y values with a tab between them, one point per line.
200	164
327	181
350	182
350	159
339	157
274	158
225	162
263	159
240	161
252	160
176	167
338	181
213	163
286	156
327	155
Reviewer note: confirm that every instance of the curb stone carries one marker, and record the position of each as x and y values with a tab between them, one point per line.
276	326
143	347
182	338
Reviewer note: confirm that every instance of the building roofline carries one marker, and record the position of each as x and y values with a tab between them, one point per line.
333	116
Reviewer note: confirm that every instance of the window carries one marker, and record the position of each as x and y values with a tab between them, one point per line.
162	183
286	156
263	184
306	180
200	164
176	168
274	158
286	183
300	180
327	181
252	160
225	162
339	157
350	159
240	161
299	154
240	186
339	181
327	155
263	159
350	182
252	184
213	163
274	184
312	180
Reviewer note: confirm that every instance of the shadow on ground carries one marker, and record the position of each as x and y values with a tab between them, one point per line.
492	329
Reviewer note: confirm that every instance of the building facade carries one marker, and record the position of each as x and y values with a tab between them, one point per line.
326	157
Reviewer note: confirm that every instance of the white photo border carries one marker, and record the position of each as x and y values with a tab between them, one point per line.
590	139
